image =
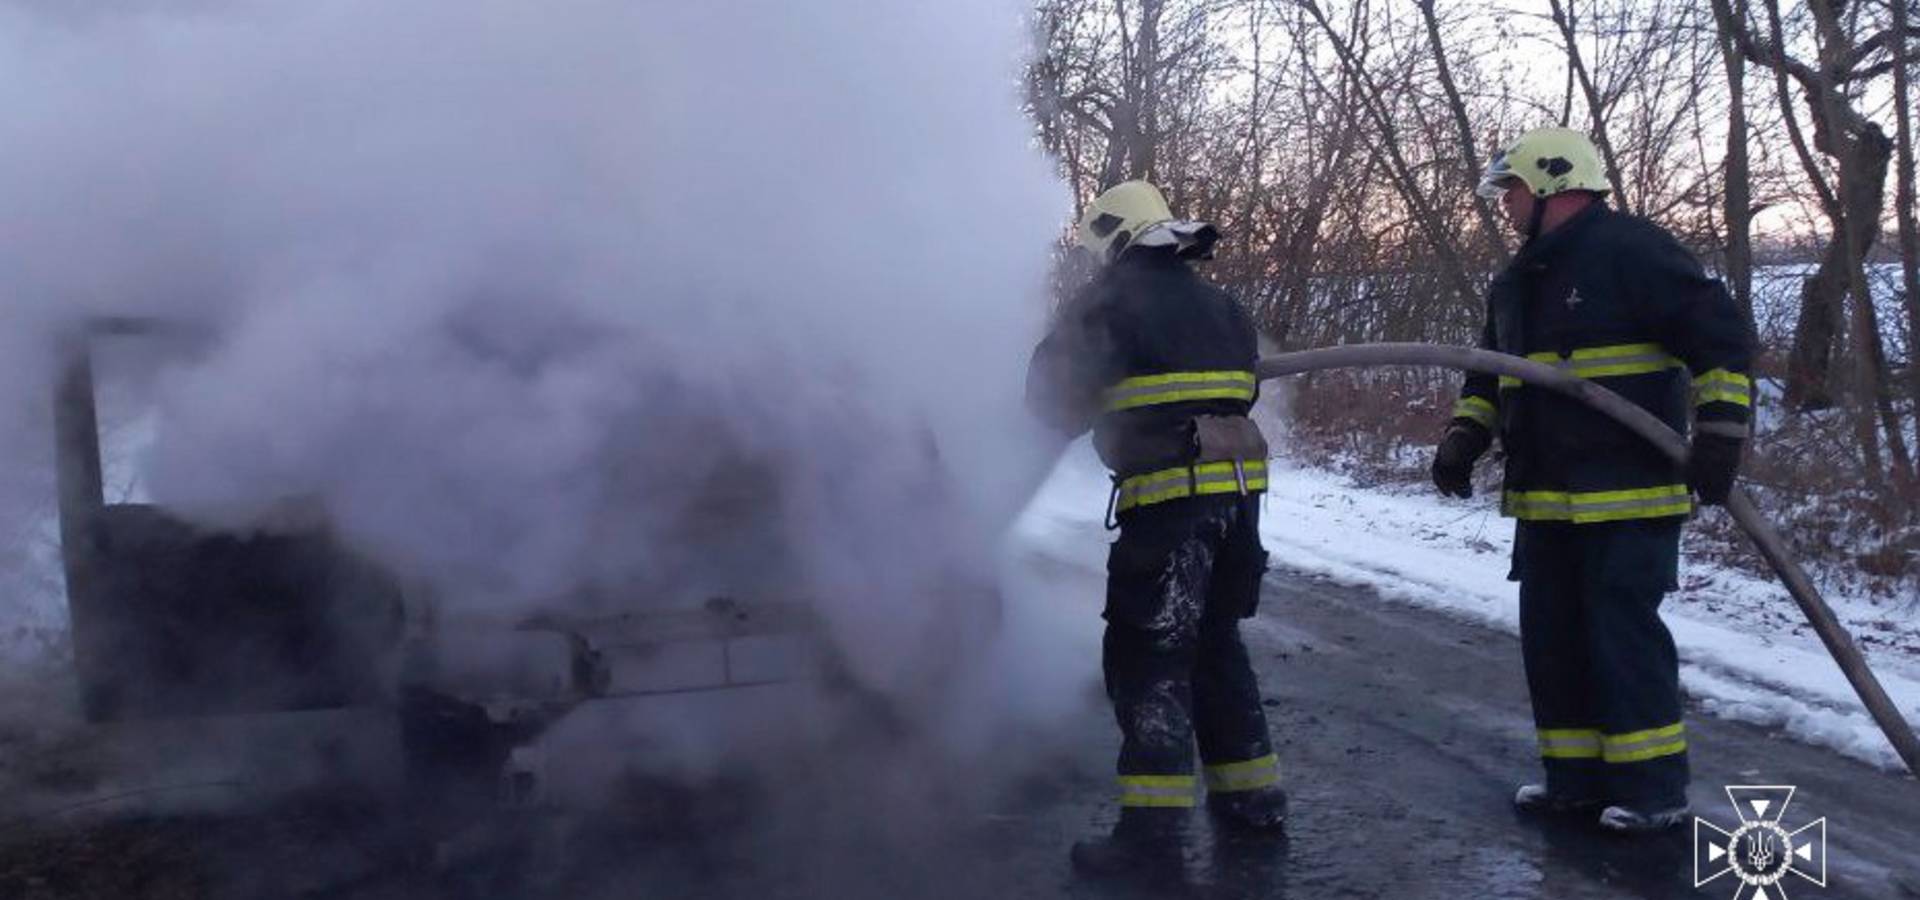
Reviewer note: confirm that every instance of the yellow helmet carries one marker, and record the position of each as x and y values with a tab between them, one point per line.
1548	161
1134	213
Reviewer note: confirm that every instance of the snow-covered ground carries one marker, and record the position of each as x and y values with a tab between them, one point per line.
1746	653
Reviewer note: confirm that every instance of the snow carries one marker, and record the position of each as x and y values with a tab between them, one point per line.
1746	652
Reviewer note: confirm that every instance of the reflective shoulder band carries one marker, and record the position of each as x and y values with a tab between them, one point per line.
1180	387
1722	386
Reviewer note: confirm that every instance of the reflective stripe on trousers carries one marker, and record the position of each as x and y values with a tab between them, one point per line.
1248	775
1644	745
1570	743
1157	790
1632	747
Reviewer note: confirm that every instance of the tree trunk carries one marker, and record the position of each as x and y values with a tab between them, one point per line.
1816	331
1146	133
1131	148
1469	157
1595	110
1863	153
1863	187
1738	200
1306	235
1904	195
1438	235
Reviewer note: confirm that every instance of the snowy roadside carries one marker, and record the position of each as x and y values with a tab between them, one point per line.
1746	654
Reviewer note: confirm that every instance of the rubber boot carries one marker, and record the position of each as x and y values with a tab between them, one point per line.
1262	810
1628	820
1147	845
1536	799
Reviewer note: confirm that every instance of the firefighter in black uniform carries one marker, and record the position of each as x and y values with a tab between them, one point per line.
1159	364
1615	299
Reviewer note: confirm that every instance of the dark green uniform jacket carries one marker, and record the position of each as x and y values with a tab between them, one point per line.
1613	298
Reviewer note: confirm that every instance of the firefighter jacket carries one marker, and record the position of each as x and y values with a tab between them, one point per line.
1143	355
1616	299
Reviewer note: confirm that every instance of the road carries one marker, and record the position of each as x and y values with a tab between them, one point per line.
1402	733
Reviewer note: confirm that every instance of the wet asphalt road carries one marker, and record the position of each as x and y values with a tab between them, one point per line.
1406	732
1401	732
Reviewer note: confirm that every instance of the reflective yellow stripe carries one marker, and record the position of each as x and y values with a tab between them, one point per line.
1189	481
1250	775
1475	408
1180	387
1156	790
1640	746
1722	386
1605	362
1570	743
1618	359
1597	506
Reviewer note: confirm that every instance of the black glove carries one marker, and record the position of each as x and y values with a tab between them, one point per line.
1453	461
1712	464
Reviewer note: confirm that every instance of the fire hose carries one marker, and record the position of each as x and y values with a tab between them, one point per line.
1834	635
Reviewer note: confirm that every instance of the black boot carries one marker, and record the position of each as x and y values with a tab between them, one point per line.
1264	809
1147	844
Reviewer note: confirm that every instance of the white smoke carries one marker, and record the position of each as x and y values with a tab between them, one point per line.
505	286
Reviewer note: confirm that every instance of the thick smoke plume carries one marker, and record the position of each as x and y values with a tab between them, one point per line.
508	288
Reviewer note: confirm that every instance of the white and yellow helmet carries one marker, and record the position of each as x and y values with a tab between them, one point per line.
1549	161
1135	214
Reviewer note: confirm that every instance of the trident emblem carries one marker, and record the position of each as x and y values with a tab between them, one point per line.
1761	852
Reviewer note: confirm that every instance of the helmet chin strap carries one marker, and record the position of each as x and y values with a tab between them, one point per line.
1535	218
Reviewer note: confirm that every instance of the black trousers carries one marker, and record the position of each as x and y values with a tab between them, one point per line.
1601	666
1180	578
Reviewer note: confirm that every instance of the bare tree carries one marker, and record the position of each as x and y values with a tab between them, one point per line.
1469	158
1563	19
1386	142
1738	198
1903	36
1860	152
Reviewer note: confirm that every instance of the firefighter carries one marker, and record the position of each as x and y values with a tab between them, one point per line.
1159	365
1612	298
